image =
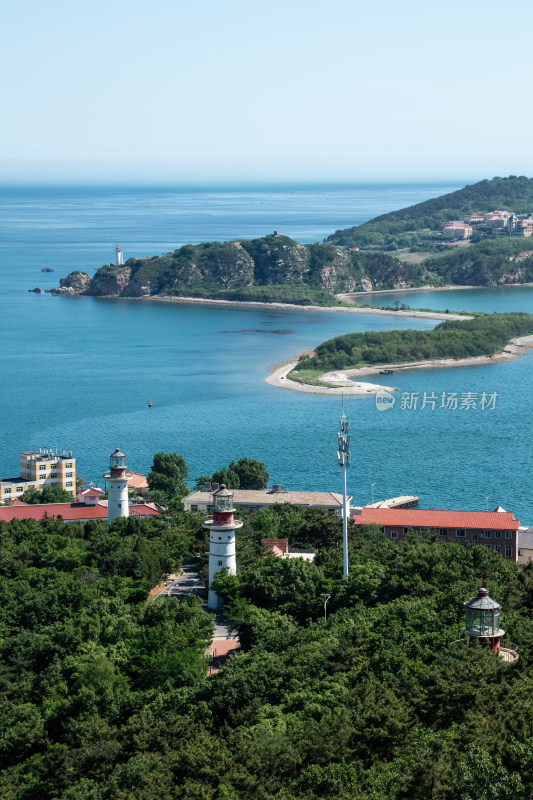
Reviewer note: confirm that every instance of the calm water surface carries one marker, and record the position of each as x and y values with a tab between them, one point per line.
78	373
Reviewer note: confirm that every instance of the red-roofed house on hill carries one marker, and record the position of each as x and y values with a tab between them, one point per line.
496	530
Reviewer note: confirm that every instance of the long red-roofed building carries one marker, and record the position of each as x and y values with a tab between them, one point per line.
496	530
70	512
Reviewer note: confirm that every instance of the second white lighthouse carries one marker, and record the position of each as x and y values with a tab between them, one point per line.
222	529
117	481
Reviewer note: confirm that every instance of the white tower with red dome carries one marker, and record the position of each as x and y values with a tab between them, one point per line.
222	529
117	481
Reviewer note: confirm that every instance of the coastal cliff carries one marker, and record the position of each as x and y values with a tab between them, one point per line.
272	267
277	269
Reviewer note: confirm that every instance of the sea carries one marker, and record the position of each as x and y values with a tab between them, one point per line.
77	374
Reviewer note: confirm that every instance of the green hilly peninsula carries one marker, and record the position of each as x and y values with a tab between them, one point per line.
270	269
477	236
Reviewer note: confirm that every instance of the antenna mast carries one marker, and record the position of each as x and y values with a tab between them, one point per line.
343	457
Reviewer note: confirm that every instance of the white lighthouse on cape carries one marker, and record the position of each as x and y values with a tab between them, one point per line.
222	529
119	256
117	481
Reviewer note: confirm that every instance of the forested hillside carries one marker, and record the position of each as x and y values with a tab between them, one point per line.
396	229
105	695
271	269
483	335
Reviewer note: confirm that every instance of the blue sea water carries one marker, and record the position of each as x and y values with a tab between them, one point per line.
77	373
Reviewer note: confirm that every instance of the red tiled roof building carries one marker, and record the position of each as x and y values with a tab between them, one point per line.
496	530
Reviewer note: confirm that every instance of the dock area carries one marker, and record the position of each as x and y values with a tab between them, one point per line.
405	501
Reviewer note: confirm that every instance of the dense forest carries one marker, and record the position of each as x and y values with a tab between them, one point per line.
484	334
105	693
398	228
490	263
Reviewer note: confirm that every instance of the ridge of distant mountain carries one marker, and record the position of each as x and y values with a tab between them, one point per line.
391	231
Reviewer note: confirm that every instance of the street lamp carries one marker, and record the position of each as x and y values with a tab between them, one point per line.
343	457
326	597
372	486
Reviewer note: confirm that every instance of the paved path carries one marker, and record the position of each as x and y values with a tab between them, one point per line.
224	642
185	584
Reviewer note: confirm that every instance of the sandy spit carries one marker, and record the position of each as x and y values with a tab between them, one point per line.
278	377
202	301
515	349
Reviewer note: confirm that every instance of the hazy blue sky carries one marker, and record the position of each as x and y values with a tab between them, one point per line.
299	90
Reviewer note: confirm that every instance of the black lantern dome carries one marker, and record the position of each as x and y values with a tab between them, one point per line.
483	616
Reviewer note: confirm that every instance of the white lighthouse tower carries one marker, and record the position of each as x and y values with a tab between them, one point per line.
119	256
117	503
222	529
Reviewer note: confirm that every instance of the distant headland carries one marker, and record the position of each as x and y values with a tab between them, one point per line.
478	236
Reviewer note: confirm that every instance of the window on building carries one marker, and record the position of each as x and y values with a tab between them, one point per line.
443	531
194	509
508	534
497	534
68	466
488	534
497	548
69	475
20	489
220	538
488	547
394	534
120	505
508	551
474	537
381	529
520	553
42	467
332	510
7	491
68	483
460	533
220	563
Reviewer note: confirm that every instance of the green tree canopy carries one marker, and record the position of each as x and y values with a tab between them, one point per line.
49	494
169	474
247	473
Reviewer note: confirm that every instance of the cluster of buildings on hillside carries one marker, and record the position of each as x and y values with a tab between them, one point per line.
502	223
497	530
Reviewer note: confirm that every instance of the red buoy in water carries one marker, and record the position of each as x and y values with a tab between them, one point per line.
149	404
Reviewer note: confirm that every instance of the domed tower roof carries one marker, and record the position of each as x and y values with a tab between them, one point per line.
117	453
223	491
482	601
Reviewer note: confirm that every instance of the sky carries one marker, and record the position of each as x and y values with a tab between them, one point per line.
176	92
